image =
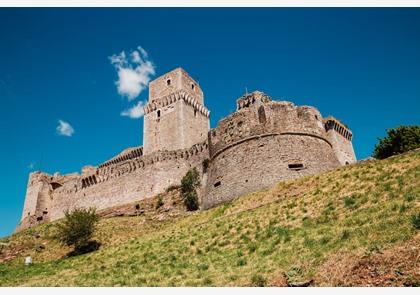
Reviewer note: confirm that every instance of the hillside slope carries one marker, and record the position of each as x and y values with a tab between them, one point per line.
352	226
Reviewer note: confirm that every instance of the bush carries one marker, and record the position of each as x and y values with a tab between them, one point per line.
77	229
258	280
397	141
349	201
189	183
415	220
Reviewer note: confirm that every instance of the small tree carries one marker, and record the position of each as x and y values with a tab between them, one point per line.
189	183
397	141
77	229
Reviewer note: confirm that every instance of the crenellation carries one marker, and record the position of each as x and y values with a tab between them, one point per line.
263	142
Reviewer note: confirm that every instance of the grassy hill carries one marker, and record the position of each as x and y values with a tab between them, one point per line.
357	225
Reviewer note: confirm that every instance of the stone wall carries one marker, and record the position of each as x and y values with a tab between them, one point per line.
340	137
175	117
114	184
262	143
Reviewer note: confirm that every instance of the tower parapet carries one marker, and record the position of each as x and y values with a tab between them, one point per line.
340	137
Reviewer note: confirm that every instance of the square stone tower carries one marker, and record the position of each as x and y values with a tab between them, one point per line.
175	116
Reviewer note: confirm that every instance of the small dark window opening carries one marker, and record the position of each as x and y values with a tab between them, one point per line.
316	117
218	183
261	115
39	218
44	212
158	113
137	206
168	82
347	163
296	166
192	86
195	113
55	185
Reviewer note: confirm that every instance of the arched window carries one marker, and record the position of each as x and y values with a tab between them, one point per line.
192	86
168	82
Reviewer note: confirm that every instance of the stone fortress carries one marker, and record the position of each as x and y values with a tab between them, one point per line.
260	144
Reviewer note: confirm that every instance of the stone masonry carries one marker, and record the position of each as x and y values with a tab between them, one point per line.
263	142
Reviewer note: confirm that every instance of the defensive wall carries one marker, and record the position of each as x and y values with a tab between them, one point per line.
263	142
116	182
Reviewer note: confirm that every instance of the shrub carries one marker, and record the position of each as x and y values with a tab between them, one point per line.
397	141
258	280
349	201
241	262
345	235
77	229
415	220
189	183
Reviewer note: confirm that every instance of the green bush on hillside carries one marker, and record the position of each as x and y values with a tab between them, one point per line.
415	220
397	141
77	229
189	183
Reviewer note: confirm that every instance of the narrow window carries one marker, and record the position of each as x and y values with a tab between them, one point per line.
168	82
218	183
195	113
296	166
158	113
192	86
261	115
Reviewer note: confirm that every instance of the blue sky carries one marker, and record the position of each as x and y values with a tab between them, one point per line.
360	65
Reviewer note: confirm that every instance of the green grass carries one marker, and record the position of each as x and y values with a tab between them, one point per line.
288	231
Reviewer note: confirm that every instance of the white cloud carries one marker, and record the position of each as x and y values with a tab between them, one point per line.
64	128
134	112
134	72
31	166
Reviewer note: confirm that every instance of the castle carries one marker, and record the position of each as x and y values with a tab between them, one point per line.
263	142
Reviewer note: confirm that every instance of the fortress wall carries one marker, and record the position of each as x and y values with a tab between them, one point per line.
253	148
272	117
261	162
129	181
34	186
158	138
343	147
174	126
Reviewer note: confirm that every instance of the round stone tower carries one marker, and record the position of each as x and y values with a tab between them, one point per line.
262	143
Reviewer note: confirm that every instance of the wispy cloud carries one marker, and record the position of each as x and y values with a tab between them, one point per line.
134	112
31	166
64	128
134	72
